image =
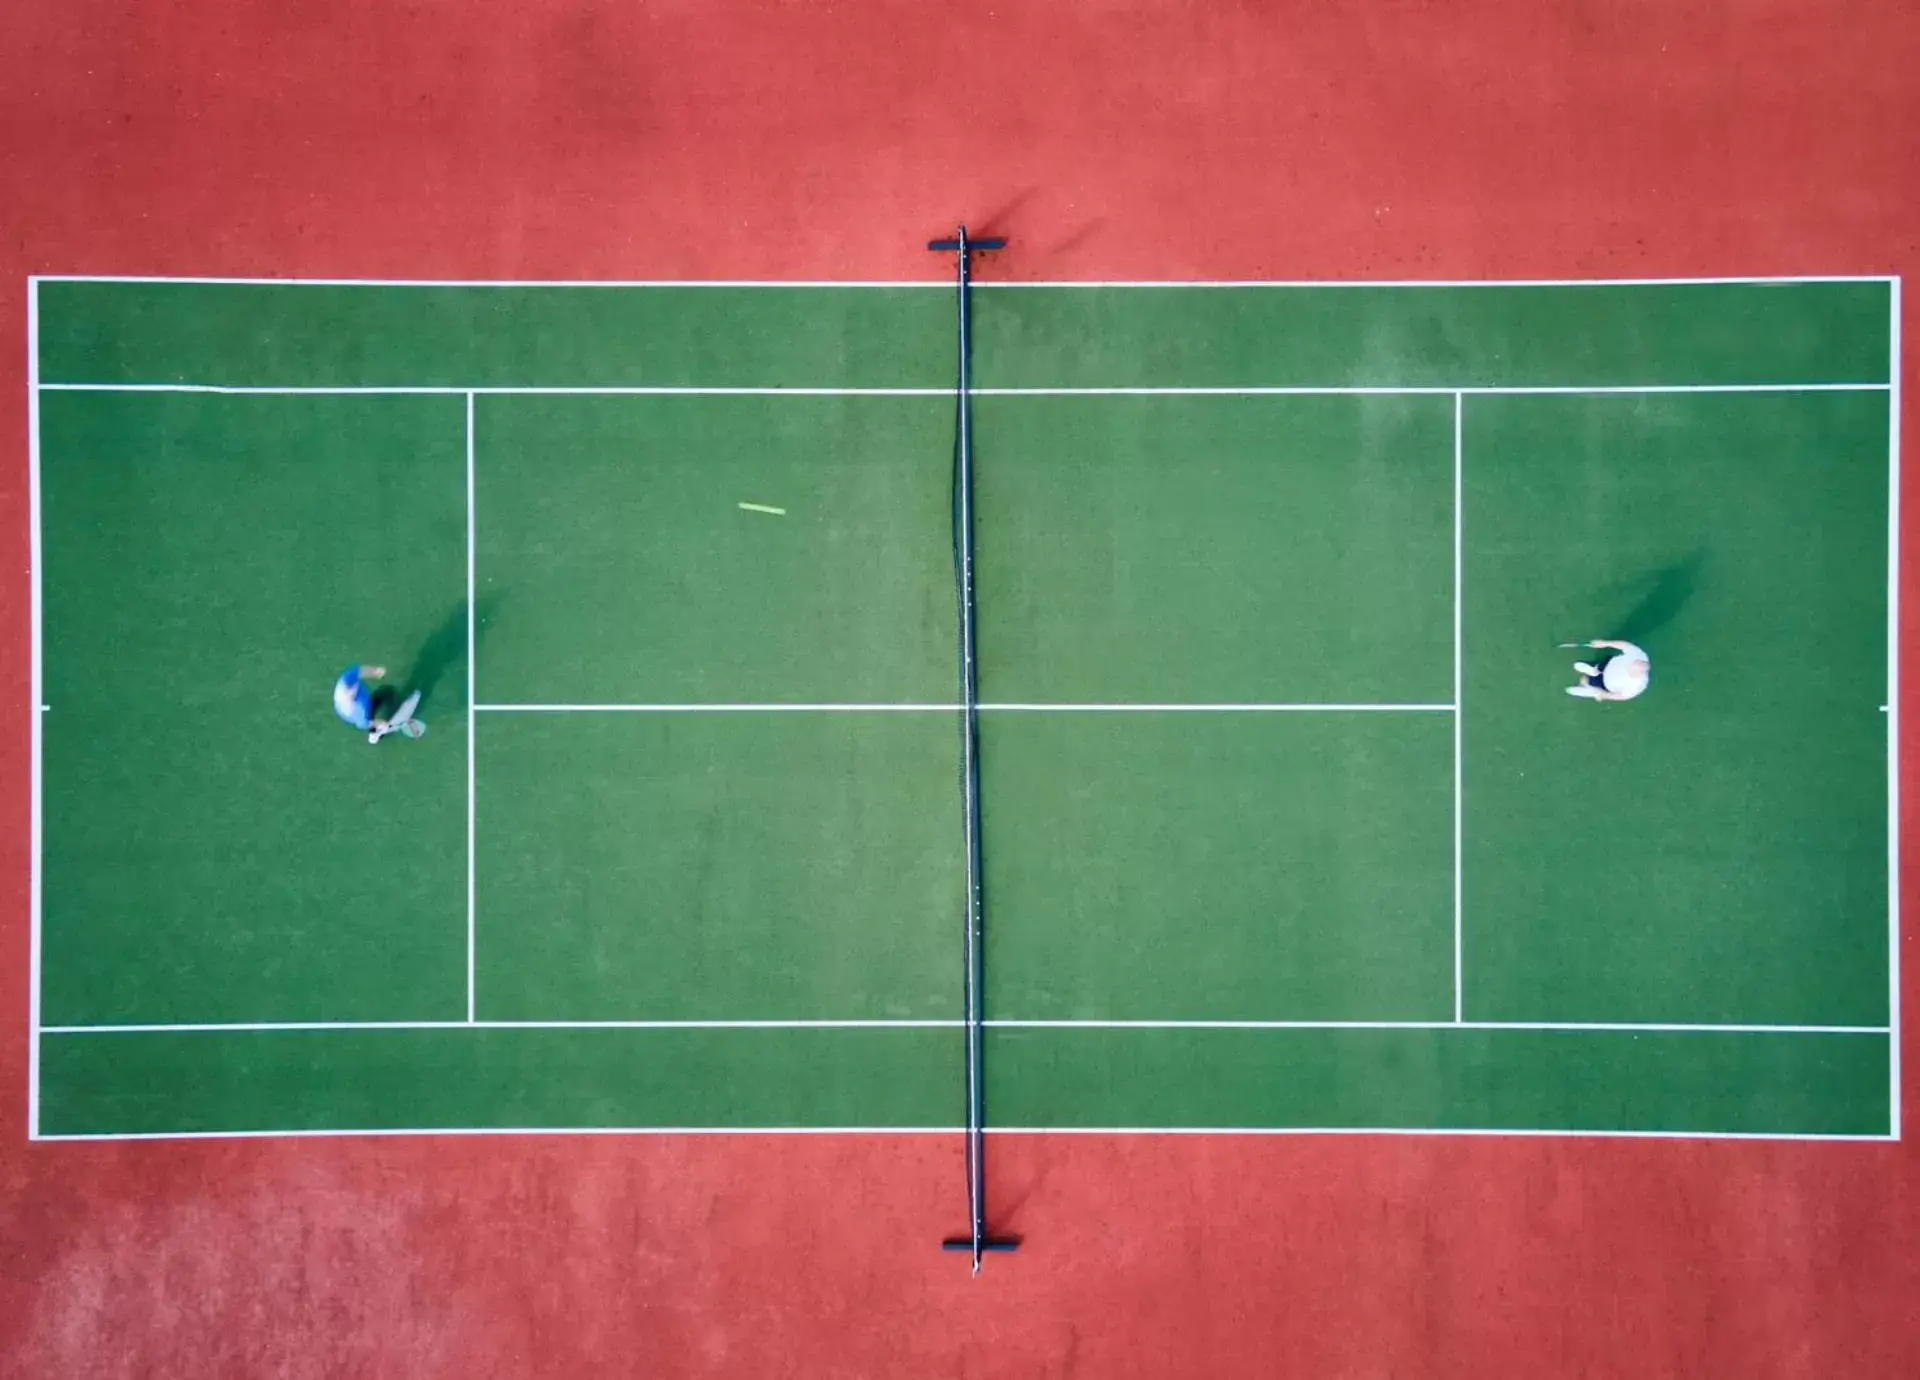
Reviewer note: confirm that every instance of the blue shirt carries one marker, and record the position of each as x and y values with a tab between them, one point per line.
352	700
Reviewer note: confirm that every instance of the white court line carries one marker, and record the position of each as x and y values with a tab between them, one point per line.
471	892
946	285
38	680
1170	391
1459	970
385	1132
1447	282
1247	708
1423	390
1519	1133
843	708
454	390
882	1023
343	1027
1893	699
1566	1027
1000	708
1892	387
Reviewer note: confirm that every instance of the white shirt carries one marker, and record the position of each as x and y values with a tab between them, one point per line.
1626	675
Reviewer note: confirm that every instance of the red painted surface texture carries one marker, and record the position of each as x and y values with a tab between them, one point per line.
1111	139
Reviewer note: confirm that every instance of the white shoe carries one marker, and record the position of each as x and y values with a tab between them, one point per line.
1584	669
1585	692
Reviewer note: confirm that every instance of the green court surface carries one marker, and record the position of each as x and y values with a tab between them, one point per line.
1287	822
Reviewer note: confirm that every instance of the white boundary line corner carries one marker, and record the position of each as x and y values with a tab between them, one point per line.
35	387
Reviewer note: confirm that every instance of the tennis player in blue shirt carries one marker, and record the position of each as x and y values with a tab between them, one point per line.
370	709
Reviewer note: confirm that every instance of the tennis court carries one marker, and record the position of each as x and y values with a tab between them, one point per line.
1287	823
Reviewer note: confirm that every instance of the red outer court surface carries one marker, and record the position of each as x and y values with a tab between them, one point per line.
1109	139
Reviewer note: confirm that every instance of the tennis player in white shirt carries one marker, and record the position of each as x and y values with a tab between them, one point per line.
1622	676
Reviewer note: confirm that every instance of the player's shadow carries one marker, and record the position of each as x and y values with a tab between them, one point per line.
1665	593
447	644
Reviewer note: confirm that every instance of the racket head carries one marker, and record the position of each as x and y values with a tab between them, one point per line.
413	728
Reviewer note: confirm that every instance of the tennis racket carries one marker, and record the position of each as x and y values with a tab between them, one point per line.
402	721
